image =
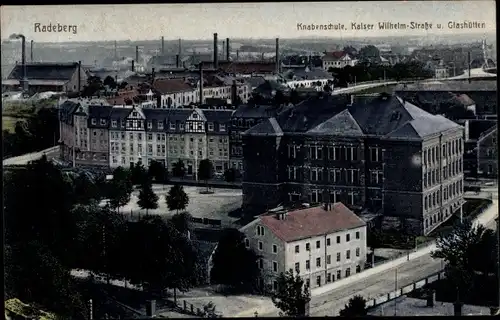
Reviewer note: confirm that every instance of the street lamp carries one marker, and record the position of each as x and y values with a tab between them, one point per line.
24	80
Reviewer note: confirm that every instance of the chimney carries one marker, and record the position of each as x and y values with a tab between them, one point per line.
162	46
431	298
233	92
31	51
277	55
137	54
201	83
216	52
79	76
24	81
228	50
180	47
457	309
133	65
223	48
152	75
177	61
237	55
116	51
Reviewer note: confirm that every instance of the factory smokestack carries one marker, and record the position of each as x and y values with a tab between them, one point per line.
79	76
162	45
180	47
177	61
468	62
133	65
201	83
277	55
223	48
24	82
31	51
137	54
216	52
228	50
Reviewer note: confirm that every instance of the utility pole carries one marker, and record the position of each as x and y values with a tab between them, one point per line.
395	292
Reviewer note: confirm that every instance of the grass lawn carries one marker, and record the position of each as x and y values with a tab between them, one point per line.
9	123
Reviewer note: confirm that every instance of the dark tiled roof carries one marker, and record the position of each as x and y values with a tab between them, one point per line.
220	116
120	113
166	86
271	85
255	112
267	127
67	109
45	71
333	56
243	67
100	111
311	222
179	115
312	74
452	86
341	124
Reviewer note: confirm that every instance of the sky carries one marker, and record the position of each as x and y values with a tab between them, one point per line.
239	20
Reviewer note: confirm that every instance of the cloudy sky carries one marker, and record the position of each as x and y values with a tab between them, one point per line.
238	20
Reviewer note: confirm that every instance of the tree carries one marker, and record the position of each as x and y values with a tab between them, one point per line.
110	82
291	296
85	190
138	173
147	197
157	171
205	171
294	97
120	188
182	222
369	52
350	50
179	170
209	311
232	254
93	86
279	98
458	249
355	308
176	198
327	88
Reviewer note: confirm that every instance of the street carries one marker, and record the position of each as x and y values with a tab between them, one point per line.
330	303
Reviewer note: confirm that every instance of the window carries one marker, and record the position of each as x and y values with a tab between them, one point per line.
260	230
114	123
275	248
292	173
357	234
318	280
339	274
347	237
222	127
308	265
316	152
247	243
260	245
348	254
297	250
308	283
210	126
328	277
93	121
150	124
337	152
351	153
338	256
315	174
328	259
318	244
308	247
347	272
150	136
318	262
338	239
374	154
357	252
275	266
358	269
328	241
297	267
292	151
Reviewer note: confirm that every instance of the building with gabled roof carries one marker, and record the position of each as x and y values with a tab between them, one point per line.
337	59
322	244
46	76
376	152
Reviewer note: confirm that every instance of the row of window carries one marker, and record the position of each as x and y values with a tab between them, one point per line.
448	149
433	200
328	260
316	196
138	124
335	175
331	277
336	153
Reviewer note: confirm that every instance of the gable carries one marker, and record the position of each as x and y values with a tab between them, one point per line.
196	115
136	114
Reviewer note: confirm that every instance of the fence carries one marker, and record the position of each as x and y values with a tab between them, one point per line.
418	246
398	292
214	223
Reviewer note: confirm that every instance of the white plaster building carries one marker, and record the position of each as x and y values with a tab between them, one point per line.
337	60
322	244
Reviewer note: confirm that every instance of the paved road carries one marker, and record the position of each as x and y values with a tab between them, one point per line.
25	158
328	304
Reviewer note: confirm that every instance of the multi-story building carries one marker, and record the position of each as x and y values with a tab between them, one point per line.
175	92
217	130
308	78
337	59
243	118
321	244
376	152
487	153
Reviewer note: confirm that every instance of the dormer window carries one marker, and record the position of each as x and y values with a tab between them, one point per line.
195	116
160	125
93	121
222	127
134	114
103	122
114	123
210	126
181	126
172	126
150	124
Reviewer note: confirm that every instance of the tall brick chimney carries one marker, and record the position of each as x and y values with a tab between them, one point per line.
228	50
277	55
137	54
162	45
201	83
31	51
133	66
177	61
180	47
216	52
79	76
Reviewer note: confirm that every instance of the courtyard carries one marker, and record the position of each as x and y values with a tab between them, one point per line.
216	205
